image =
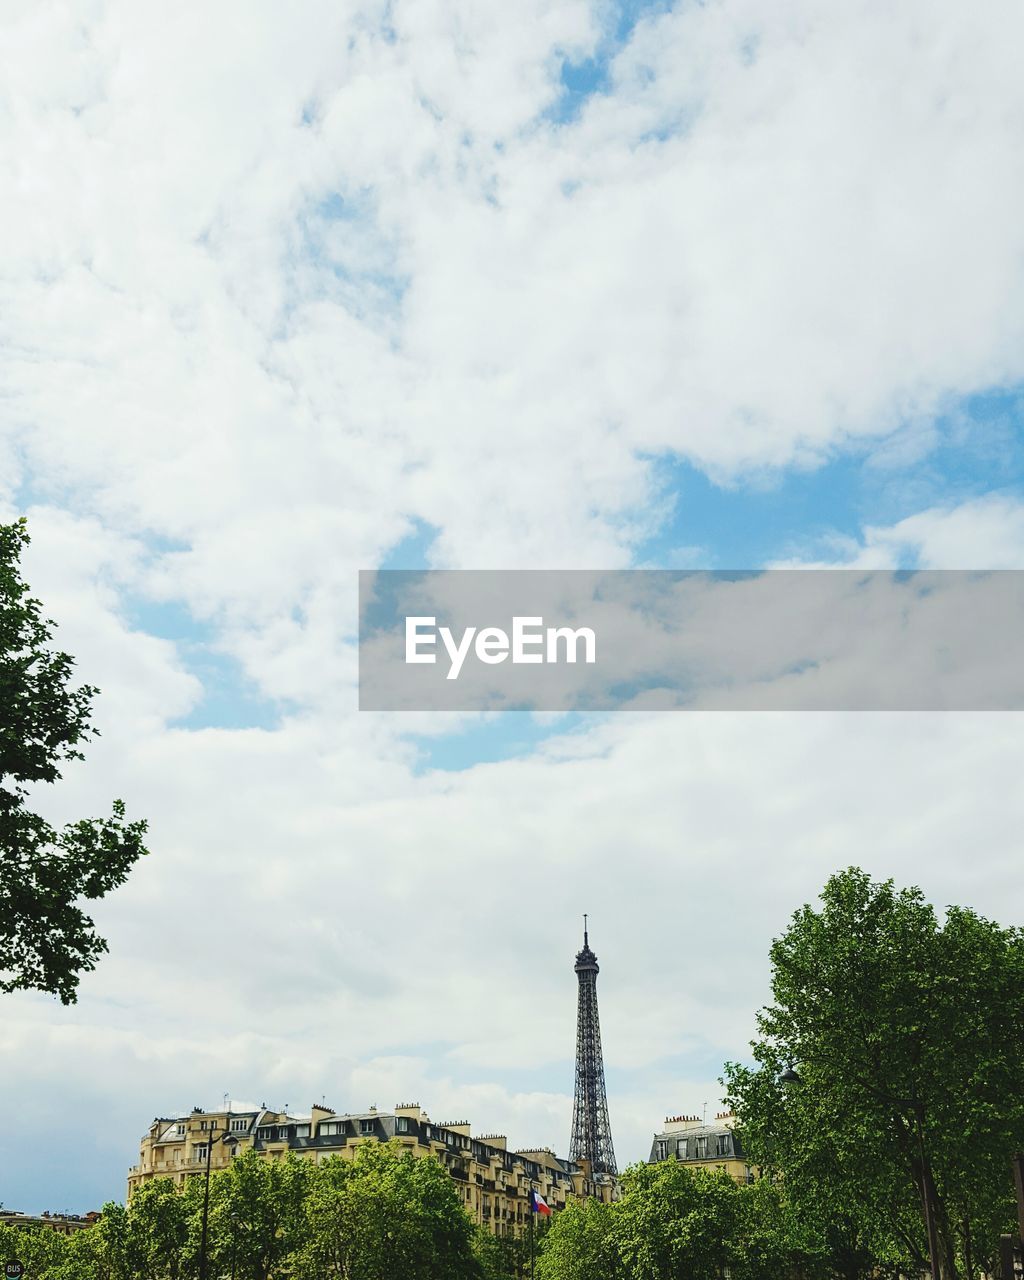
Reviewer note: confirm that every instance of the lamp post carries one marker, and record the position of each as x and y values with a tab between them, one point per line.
230	1141
233	1219
791	1077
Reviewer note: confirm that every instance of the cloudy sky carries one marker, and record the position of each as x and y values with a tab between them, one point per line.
291	291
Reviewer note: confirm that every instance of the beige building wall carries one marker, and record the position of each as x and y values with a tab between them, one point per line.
493	1183
700	1143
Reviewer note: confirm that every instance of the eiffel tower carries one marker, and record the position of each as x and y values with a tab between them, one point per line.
591	1132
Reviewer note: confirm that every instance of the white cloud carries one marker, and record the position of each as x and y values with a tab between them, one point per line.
745	251
985	533
981	533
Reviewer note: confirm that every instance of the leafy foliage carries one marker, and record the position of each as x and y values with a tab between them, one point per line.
502	1257
580	1244
383	1214
673	1221
46	940
911	1094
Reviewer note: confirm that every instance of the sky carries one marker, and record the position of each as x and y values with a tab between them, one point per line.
290	292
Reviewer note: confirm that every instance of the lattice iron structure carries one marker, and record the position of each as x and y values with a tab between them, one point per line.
591	1132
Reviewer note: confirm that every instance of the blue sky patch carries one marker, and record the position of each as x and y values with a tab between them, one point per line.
973	450
591	76
230	699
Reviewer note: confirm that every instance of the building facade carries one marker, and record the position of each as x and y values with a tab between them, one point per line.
494	1183
65	1224
693	1141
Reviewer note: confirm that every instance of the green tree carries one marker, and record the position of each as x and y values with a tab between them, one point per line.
911	1095
145	1239
123	1244
580	1244
502	1257
673	1221
43	1252
774	1241
82	1258
257	1217
386	1213
46	939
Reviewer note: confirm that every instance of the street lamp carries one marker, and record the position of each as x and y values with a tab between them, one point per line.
792	1077
233	1219
230	1141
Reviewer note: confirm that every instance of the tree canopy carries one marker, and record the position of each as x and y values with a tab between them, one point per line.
383	1214
909	1099
46	939
677	1222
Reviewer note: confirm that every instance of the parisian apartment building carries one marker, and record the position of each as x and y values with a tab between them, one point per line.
65	1224
493	1182
694	1141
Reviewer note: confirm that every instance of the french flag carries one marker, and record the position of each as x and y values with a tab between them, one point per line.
538	1204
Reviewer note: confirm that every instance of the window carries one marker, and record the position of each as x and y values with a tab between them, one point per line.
662	1149
723	1145
402	1124
366	1126
199	1151
701	1153
682	1145
202	1125
332	1128
302	1131
180	1130
238	1126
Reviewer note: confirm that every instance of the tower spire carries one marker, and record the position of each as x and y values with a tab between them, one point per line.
591	1132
